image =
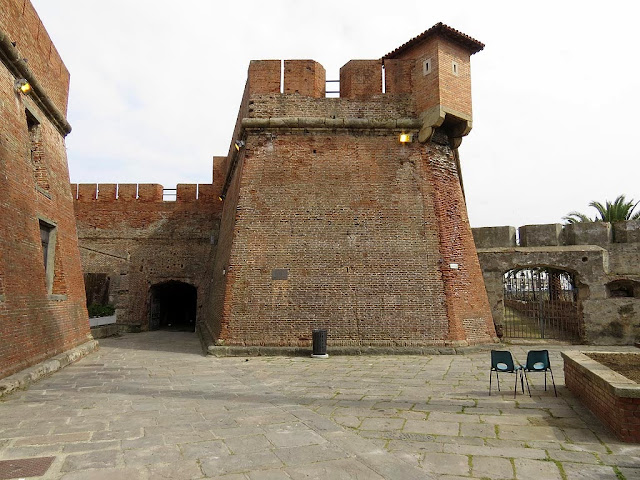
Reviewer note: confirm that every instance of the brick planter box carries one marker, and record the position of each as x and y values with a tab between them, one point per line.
614	399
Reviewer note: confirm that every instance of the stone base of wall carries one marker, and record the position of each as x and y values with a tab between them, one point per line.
26	377
253	351
611	397
104	331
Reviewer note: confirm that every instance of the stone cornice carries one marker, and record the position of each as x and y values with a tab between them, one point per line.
15	63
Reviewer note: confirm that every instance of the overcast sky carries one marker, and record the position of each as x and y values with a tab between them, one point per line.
156	86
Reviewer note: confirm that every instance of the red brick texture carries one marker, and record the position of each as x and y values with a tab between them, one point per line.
620	414
361	78
329	222
20	22
305	77
264	76
467	302
138	240
353	221
442	86
38	318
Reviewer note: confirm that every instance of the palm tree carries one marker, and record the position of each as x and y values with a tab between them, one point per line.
616	211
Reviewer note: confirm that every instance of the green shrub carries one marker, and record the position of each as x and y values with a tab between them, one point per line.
97	310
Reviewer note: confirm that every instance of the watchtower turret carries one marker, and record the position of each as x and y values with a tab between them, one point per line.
438	66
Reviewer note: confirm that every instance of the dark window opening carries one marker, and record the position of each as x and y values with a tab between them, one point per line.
47	241
173	307
623	288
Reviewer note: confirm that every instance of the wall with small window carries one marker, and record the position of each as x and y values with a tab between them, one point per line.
42	305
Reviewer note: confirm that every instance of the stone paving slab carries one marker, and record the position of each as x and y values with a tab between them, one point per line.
151	406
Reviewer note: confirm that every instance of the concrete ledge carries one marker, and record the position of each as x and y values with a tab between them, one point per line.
30	375
599	374
104	331
611	397
320	122
257	351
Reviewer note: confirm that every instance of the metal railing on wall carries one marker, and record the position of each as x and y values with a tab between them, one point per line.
169	194
332	93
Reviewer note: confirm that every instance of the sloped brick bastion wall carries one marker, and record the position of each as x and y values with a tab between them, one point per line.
42	305
603	258
613	398
330	222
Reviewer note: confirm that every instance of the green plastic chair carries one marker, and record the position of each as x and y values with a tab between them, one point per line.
538	361
502	362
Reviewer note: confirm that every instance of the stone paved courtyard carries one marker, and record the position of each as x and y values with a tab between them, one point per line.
150	406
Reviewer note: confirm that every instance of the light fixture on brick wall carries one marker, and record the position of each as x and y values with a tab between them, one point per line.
21	85
239	144
405	138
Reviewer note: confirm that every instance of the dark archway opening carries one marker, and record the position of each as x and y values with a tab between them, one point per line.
541	303
173	307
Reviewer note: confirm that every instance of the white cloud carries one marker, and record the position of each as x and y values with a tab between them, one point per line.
156	87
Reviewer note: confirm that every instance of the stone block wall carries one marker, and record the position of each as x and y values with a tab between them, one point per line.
603	258
42	306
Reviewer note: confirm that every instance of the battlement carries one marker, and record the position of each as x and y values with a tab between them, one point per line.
428	78
142	192
556	235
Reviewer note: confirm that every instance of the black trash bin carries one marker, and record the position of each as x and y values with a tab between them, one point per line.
319	337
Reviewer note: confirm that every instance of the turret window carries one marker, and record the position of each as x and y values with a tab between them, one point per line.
426	66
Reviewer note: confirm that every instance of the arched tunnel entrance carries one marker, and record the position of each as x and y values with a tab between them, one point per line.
173	306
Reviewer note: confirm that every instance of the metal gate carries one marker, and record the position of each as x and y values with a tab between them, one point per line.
542	303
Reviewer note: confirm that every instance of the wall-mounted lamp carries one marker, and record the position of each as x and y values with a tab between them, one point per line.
454	266
21	85
405	138
239	144
221	197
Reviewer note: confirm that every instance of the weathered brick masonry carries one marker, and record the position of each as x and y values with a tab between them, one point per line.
330	222
326	219
140	241
614	399
42	309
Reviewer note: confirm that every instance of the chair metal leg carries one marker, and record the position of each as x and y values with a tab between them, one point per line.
515	387
490	377
498	379
554	382
527	379
545	380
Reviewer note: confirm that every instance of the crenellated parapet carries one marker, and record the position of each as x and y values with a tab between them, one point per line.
428	79
558	235
143	192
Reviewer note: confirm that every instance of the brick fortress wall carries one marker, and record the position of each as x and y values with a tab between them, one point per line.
41	314
611	397
136	239
329	222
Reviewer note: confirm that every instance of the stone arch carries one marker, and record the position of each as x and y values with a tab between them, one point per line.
541	302
173	306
